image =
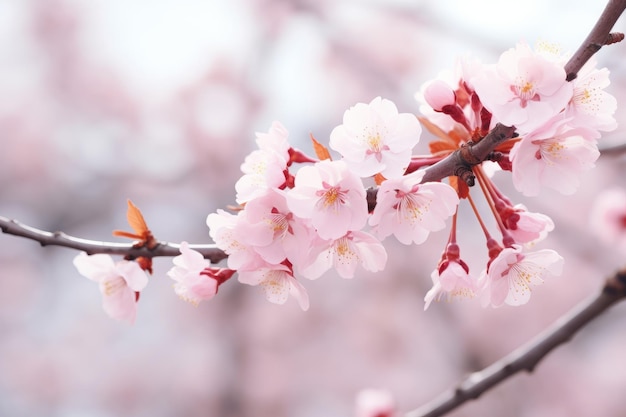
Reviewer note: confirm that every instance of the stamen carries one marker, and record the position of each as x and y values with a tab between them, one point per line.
331	196
525	92
112	286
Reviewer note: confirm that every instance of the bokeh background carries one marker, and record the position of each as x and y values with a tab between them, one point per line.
158	101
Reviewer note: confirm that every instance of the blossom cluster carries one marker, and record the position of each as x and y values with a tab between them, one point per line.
300	216
557	123
295	224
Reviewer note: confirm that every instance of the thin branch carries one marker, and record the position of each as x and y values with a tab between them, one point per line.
614	150
528	356
464	158
13	227
599	36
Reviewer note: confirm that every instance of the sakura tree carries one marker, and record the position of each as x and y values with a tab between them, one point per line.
405	234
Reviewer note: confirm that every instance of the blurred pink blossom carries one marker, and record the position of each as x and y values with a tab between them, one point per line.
375	403
608	217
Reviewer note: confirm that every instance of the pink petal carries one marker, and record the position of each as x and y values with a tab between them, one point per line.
190	259
121	304
298	291
132	273
95	267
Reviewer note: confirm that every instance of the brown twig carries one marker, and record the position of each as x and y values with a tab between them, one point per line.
614	150
460	162
599	36
15	228
528	356
468	156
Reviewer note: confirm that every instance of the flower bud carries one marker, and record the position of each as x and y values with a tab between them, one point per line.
438	94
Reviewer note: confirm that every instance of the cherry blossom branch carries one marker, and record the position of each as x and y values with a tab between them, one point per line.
599	36
614	150
528	356
15	228
458	163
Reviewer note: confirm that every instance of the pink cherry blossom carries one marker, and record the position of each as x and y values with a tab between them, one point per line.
608	217
525	89
275	140
277	282
553	157
226	231
524	226
119	283
451	279
410	210
511	275
345	254
262	170
375	403
590	105
331	196
195	279
375	138
265	167
272	229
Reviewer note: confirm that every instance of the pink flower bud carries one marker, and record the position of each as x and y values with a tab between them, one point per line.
438	94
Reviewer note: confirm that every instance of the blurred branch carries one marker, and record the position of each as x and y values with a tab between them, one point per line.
614	150
528	356
15	228
599	36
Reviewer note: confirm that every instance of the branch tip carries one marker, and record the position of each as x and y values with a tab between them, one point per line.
530	355
44	238
614	37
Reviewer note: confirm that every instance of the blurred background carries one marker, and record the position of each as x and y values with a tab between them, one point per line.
158	101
